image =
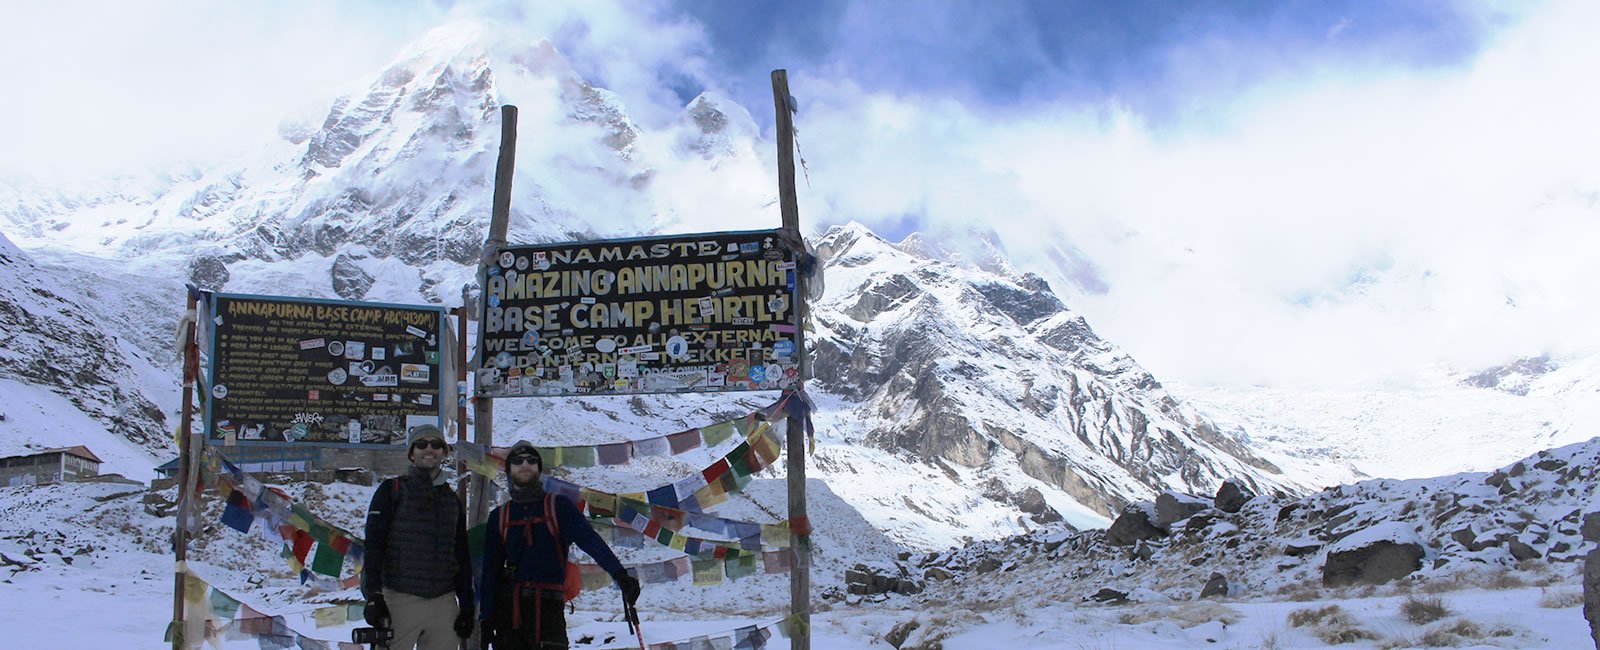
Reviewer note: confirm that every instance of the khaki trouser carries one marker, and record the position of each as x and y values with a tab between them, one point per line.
423	623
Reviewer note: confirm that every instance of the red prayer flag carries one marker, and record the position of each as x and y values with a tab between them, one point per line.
716	471
302	545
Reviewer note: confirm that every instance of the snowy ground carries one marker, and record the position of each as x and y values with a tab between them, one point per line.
96	554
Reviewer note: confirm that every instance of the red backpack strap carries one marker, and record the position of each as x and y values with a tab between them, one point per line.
551	523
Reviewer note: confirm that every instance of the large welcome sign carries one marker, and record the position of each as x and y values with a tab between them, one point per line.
294	371
709	312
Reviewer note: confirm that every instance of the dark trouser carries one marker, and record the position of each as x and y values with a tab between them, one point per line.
543	620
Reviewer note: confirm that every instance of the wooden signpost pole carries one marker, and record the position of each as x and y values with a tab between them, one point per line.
499	218
461	404
800	573
180	536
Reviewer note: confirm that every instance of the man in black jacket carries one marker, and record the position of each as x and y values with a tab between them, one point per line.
418	573
525	560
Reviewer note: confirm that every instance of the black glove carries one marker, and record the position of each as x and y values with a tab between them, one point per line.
464	622
629	585
376	612
486	633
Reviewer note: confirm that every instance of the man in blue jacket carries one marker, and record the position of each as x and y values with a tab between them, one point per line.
525	560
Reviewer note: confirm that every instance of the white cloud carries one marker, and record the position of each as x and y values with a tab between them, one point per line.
1329	224
111	87
1347	225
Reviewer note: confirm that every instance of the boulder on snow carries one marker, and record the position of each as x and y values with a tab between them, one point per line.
867	580
1591	527
1233	495
1031	501
1108	595
1216	585
1522	550
1133	525
1302	546
1376	555
1173	507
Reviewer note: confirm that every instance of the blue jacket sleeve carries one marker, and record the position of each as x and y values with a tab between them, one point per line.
494	557
576	528
379	513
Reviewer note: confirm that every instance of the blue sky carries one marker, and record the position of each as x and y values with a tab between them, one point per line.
1142	53
1291	193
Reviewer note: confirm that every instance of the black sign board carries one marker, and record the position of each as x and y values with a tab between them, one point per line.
687	313
295	371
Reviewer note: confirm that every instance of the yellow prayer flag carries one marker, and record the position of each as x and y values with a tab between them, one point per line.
330	616
195	590
711	495
678	541
775	536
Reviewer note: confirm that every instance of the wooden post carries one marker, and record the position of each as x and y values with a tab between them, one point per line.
461	404
800	573
499	218
180	537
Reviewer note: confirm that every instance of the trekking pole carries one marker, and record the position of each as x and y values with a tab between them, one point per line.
632	616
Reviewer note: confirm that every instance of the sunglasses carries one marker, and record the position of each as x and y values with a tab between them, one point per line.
422	444
524	460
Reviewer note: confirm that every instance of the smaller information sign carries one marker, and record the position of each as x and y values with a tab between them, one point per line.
294	371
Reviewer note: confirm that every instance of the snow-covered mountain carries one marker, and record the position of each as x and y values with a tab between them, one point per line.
994	406
61	353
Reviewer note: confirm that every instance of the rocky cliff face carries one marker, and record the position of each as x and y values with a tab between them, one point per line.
977	369
50	337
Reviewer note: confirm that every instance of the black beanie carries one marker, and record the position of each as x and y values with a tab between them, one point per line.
524	448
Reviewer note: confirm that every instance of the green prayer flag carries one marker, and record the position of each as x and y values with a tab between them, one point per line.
321	532
327	561
707	572
223	605
300	517
740	566
717	433
578	457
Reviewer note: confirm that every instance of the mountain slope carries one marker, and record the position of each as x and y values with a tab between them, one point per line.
54	352
977	401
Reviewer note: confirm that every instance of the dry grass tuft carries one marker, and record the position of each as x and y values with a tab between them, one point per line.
1561	598
1331	624
1506	579
1421	610
1341	634
1184	614
1452	634
1399	641
1300	592
1304	617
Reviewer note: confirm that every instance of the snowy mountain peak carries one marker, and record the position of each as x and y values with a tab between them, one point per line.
994	381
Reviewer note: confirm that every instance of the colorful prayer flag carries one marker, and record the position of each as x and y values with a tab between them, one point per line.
707	572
